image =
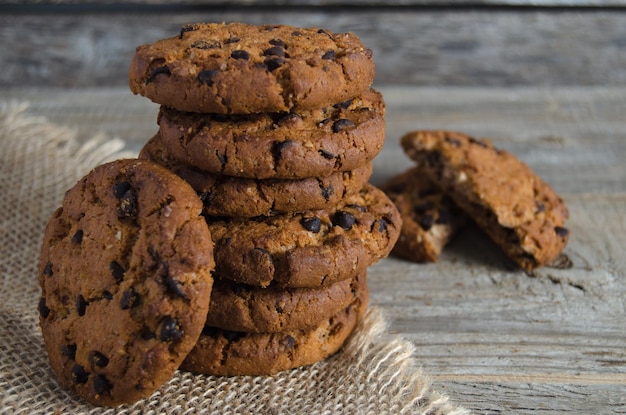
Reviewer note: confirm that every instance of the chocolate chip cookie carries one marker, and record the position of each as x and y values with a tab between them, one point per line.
231	353
429	217
125	272
242	197
239	68
242	307
517	209
309	249
313	143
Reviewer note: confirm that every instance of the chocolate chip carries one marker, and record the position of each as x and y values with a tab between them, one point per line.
147	334
311	224
77	237
170	330
382	225
426	222
453	141
101	385
329	56
561	231
423	207
278	309
79	374
207	76
69	351
174	286
540	207
81	305
278	147
274	63
341	124
186	28
129	299
443	217
233	39
343	105
98	359
44	311
327	192
107	295
357	207
327	155
344	219
433	158
289	341
296	33
127	208
240	54
478	142
120	189
161	70
47	270
278	42
206	44
275	51
117	271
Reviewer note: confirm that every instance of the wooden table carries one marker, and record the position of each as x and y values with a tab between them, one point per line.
495	339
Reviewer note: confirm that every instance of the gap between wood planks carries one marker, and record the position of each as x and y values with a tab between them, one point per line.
553	378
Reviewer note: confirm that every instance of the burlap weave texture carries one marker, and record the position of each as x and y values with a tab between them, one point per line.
375	373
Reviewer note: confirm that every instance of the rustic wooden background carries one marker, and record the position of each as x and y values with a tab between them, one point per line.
419	42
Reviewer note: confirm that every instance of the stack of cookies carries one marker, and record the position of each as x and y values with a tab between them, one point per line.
238	242
275	128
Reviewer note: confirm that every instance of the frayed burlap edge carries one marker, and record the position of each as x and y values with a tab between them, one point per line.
375	373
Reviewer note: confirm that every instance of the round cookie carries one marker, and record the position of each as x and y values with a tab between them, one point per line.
238	68
230	353
310	249
314	143
520	212
242	197
429	218
125	272
241	307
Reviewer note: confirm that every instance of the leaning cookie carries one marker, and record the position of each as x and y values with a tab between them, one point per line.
241	197
313	143
429	217
309	249
245	308
239	68
125	272
231	353
517	209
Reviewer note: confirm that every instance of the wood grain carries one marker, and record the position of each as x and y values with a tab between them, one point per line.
416	46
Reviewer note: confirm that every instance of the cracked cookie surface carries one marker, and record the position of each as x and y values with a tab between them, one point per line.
518	210
309	249
239	68
125	272
314	143
242	197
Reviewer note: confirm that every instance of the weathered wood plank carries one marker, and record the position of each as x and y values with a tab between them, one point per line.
420	47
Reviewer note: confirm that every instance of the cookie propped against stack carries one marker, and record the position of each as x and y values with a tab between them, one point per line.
275	127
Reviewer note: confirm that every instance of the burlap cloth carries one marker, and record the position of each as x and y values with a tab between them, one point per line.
376	372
